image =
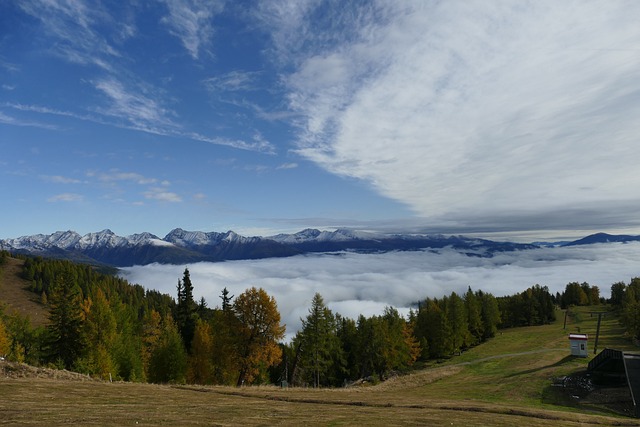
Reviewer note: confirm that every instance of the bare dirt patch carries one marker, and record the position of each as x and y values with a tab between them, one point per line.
13	370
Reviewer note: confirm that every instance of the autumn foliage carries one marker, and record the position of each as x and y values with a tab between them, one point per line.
103	326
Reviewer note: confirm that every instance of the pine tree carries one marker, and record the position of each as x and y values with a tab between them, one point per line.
347	333
65	322
437	330
474	318
226	300
457	318
186	309
317	341
490	315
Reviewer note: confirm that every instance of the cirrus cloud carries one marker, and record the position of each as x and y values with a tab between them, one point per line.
465	110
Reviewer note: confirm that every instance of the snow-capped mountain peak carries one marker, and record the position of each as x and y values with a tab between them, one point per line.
182	237
105	238
182	246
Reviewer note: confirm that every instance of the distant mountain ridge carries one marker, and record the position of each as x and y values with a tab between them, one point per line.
181	246
603	238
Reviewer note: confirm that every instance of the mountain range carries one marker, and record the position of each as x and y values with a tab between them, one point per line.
182	247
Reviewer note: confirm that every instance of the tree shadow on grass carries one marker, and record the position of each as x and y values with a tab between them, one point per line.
553	365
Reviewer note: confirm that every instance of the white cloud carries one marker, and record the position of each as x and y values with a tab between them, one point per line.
161	194
352	284
190	21
73	24
116	175
259	143
232	81
66	197
288	166
9	120
468	110
144	112
58	179
124	106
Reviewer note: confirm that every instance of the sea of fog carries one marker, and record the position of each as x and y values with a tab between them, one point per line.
354	284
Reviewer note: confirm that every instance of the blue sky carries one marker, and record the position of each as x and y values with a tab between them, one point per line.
512	119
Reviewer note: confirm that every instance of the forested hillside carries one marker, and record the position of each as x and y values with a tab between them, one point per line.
102	325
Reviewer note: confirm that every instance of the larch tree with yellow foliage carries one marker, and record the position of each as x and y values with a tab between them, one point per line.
200	369
259	331
5	343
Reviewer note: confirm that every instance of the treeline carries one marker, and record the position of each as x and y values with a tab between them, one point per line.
103	326
579	294
625	299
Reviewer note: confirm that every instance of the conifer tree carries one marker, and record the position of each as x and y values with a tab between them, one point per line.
99	334
457	318
224	355
151	331
630	316
411	344
65	322
318	342
474	318
617	294
490	315
186	309
347	333
168	361
200	370
226	300
5	343
127	349
437	330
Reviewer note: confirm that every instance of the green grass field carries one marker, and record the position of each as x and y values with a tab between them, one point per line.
504	382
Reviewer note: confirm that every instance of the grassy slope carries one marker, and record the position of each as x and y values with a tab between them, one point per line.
16	297
503	382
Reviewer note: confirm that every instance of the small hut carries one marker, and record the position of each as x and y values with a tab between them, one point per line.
578	344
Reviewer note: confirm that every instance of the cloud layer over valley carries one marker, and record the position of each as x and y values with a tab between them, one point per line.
354	284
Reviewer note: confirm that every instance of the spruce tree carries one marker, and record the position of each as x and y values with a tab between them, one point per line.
317	341
490	315
474	318
186	310
457	317
226	300
65	322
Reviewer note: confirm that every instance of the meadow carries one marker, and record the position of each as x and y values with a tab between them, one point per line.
504	382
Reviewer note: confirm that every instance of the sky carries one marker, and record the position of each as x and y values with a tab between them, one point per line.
352	284
498	118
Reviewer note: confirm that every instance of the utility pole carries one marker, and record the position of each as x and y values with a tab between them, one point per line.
600	314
